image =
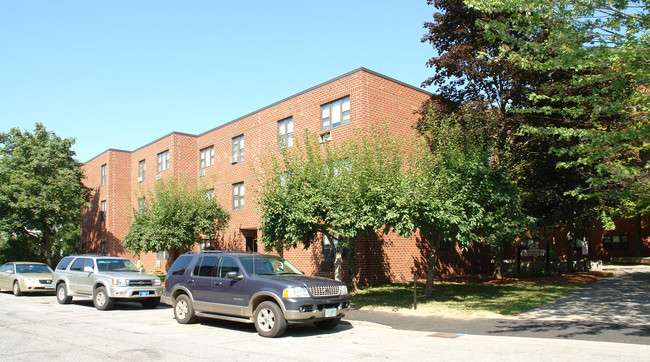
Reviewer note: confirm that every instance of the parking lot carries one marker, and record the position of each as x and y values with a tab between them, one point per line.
37	327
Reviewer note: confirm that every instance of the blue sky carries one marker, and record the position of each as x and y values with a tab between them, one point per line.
120	74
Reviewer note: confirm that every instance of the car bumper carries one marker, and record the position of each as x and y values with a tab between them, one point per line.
137	292
313	310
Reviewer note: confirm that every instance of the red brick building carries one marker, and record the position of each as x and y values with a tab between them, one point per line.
224	157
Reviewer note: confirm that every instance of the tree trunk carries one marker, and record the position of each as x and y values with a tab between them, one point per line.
639	241
338	257
354	279
498	262
434	242
547	246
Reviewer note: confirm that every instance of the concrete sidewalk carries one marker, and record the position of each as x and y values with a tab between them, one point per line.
614	309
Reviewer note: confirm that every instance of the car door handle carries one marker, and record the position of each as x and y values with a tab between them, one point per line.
217	283
190	281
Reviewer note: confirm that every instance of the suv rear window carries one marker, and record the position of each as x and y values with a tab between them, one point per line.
64	263
179	266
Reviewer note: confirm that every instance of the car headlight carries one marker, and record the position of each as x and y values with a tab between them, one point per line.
343	290
119	282
156	281
295	292
30	281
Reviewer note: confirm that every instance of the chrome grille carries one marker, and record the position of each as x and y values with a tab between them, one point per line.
325	290
140	283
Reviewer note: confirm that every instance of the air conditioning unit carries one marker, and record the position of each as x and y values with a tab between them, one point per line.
325	137
158	176
202	172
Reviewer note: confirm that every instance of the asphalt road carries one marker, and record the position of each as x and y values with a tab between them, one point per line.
614	309
38	328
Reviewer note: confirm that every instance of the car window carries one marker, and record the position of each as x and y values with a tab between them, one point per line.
179	266
64	263
116	265
77	264
90	263
267	265
208	266
33	268
3	268
227	265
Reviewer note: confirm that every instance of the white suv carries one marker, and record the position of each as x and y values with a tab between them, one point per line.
106	280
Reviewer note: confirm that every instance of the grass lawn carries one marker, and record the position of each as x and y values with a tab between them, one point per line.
489	298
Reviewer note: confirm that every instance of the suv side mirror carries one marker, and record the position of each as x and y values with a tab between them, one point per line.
89	269
234	275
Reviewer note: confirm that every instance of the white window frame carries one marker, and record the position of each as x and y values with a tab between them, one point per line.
104	174
285	133
163	161
142	170
237	149
206	157
238	191
335	114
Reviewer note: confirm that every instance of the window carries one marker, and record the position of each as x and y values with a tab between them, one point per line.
206	157
329	248
206	266
209	194
80	263
238	196
335	114
227	265
102	248
104	173
616	242
285	133
237	149
162	255
206	244
163	161
64	263
142	167
180	265
102	211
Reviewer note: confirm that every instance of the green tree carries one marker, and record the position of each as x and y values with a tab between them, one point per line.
605	46
460	191
41	195
343	192
174	216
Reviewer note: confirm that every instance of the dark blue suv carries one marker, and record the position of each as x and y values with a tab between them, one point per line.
253	288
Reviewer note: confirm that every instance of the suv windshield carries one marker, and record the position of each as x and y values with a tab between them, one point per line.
116	265
33	268
267	265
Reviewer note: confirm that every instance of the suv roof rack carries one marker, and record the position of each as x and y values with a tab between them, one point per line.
205	252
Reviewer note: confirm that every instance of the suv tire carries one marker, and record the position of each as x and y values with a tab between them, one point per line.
150	303
101	300
269	320
16	290
183	310
328	323
62	294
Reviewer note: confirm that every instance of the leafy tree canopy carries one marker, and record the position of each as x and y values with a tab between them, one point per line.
41	195
175	215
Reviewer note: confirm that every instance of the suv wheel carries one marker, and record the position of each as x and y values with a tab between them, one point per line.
101	300
328	323
269	320
62	294
150	303
183	310
17	291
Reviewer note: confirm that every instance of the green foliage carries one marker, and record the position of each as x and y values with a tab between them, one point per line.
603	105
41	195
177	214
347	191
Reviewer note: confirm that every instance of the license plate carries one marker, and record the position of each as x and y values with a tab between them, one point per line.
330	312
144	294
